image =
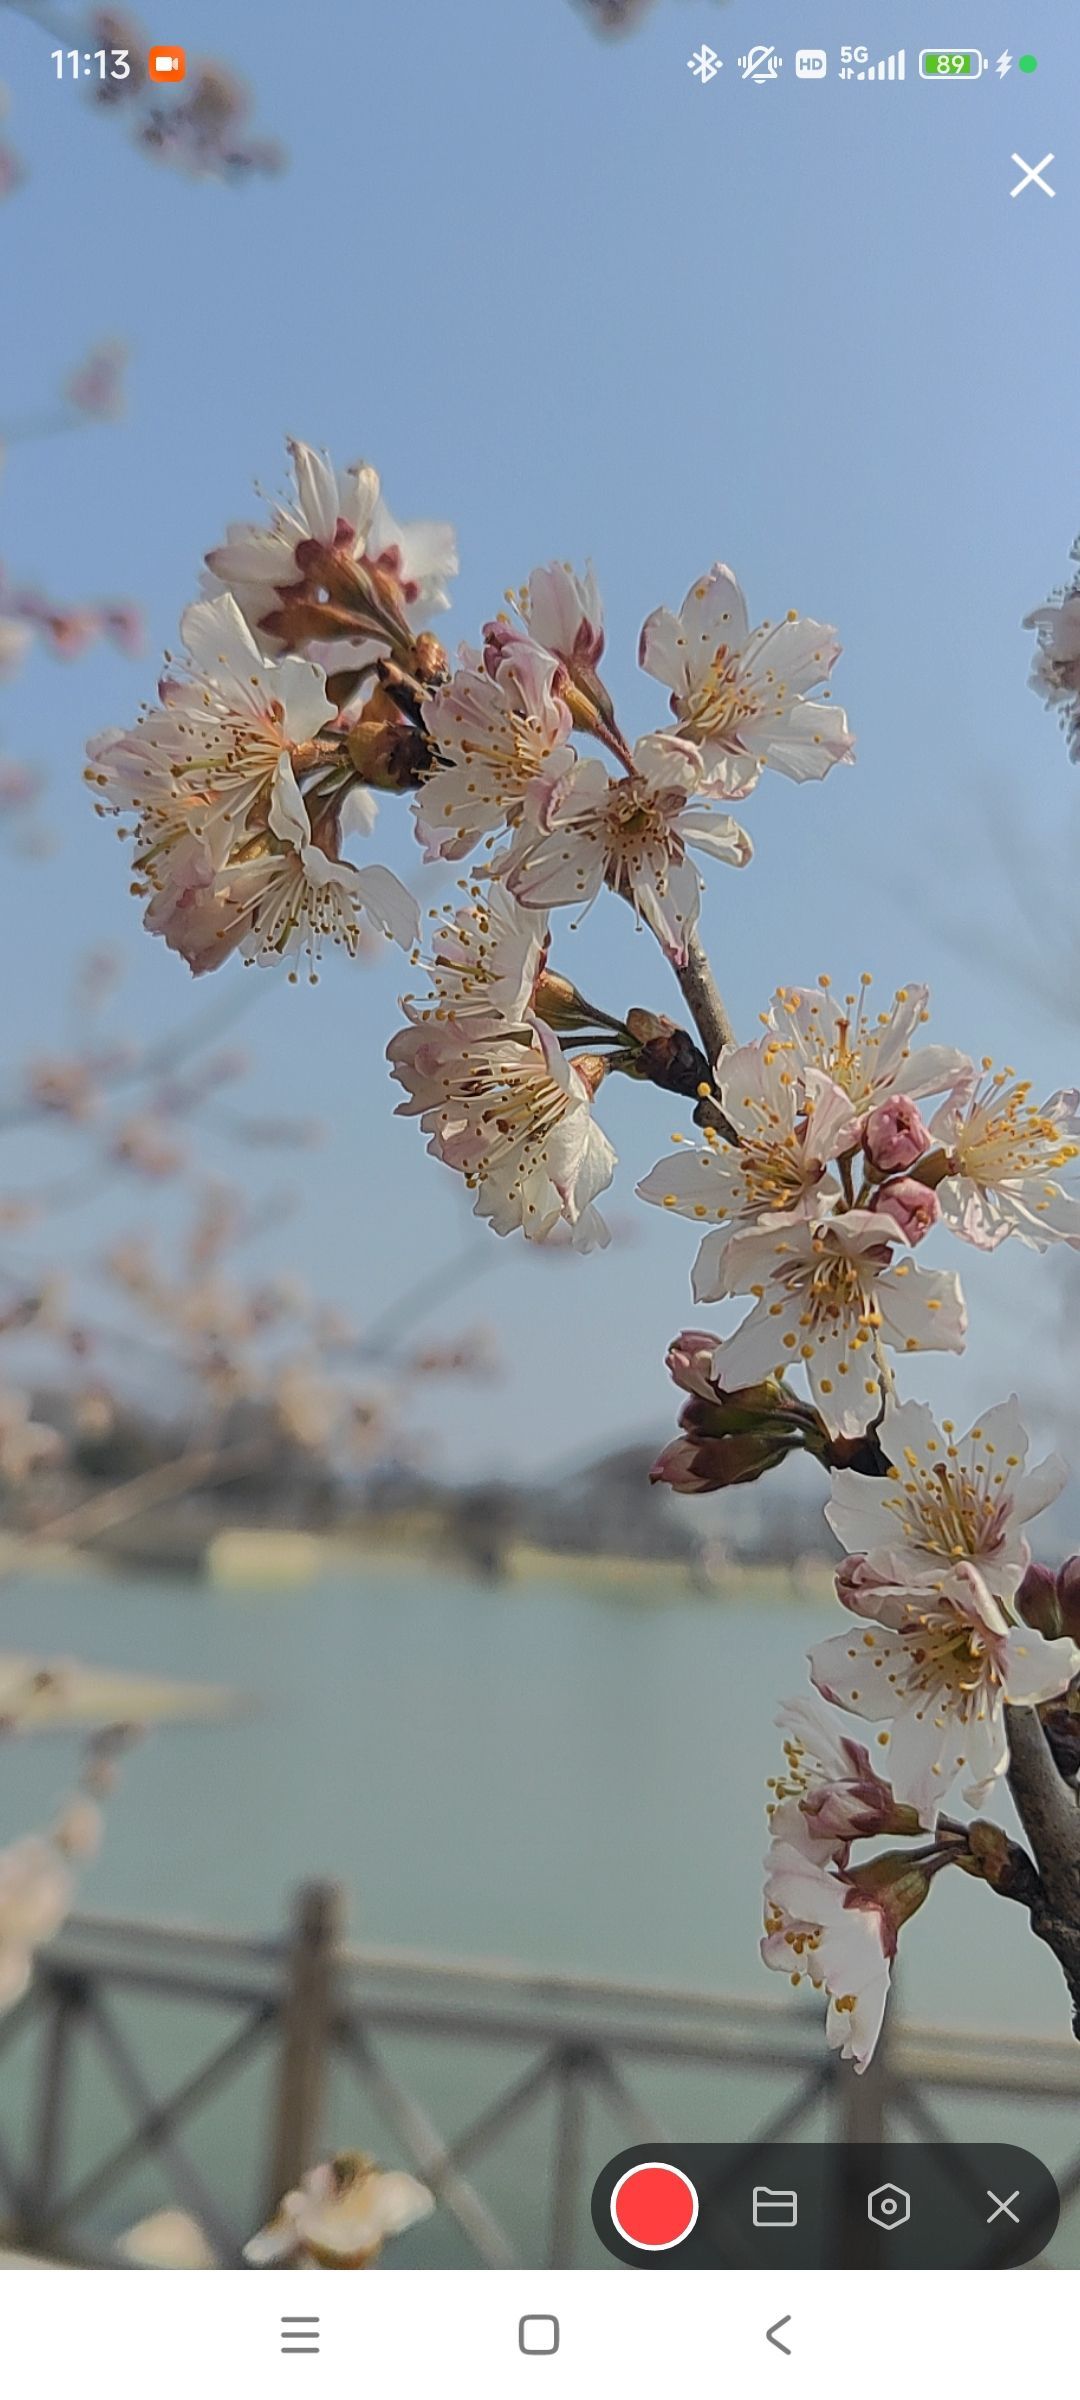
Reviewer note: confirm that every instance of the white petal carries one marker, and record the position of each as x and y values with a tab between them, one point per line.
1035	1669
389	905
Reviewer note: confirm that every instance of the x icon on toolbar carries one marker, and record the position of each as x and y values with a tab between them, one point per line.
1032	175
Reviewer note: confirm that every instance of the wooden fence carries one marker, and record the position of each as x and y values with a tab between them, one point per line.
567	2057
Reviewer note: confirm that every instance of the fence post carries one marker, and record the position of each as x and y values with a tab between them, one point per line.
67	1999
306	2004
573	2088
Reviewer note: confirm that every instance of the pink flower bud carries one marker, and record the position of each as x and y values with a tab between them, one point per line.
912	1206
894	1136
1068	1592
689	1363
1037	1600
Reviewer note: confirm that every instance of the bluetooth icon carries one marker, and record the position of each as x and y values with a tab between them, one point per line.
705	63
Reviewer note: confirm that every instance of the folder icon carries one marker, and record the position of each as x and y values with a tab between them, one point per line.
775	2208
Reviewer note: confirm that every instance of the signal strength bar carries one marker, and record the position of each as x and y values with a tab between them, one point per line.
888	70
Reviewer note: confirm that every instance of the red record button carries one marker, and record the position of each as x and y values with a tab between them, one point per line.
654	2206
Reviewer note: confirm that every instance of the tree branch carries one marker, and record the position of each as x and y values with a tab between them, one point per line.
1051	1821
699	990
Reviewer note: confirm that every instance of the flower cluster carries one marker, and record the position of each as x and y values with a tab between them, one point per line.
508	773
248	779
831	1177
242	798
939	1652
831	1146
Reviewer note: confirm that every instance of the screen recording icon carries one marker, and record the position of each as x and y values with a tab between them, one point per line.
167	65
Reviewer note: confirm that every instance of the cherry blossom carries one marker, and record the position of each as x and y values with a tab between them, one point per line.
872	1056
790	1123
828	1794
829	1297
334	549
740	695
822	1925
939	1665
564	614
946	1499
1055	673
483	961
632	834
1005	1155
514	1117
341	2215
229	851
500	727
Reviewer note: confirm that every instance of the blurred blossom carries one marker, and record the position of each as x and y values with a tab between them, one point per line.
474	1353
615	16
205	134
144	1145
20	786
307	1407
62	1087
341	2215
11	168
15	1215
23	1444
170	2239
96	975
200	129
96	386
37	1884
15	640
66	630
94	1413
110	29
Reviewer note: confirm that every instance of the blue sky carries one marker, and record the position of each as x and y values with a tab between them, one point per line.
563	294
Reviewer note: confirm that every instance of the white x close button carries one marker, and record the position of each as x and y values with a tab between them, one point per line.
1032	175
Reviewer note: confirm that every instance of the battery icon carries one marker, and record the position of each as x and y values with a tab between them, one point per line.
943	64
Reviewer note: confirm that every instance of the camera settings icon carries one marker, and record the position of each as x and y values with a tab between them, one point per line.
889	2207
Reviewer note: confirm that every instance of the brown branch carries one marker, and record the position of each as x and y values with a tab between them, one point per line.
699	990
1051	1822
